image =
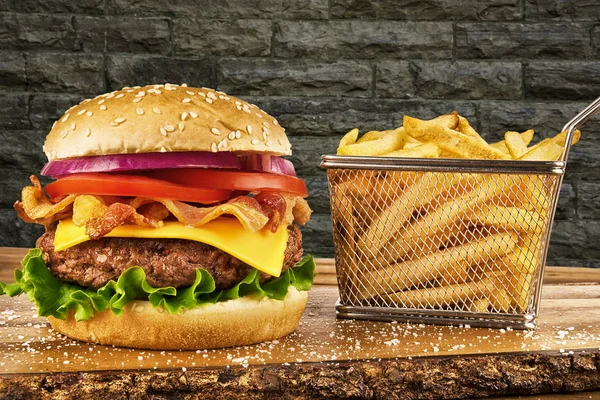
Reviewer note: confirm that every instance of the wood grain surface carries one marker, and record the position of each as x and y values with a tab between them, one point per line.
325	357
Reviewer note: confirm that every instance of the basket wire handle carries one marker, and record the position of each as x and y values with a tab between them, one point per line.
575	123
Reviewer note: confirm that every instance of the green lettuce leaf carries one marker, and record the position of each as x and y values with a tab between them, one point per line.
56	298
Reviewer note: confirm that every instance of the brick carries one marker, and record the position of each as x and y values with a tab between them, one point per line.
596	39
226	10
22	153
547	119
327	117
15	232
588	201
229	38
138	35
142	70
363	39
12	71
478	10
305	9
567	262
518	40
55	6
267	77
575	240
395	79
450	80
316	234
91	33
13	110
579	10
318	193
29	32
76	73
566	202
562	80
47	108
584	163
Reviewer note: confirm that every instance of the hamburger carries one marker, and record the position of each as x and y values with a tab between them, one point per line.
172	223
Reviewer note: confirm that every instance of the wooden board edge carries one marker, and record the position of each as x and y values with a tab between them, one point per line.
429	377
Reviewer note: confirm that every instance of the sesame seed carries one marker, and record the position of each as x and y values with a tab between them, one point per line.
54	124
266	131
140	111
119	120
156	110
186	100
85	101
101	101
162	149
103	107
224	97
119	96
201	94
88	132
81	112
215	131
150	90
184	85
89	113
193	114
211	95
73	126
280	141
130	91
209	101
249	129
184	115
254	141
157	92
137	99
264	135
246	108
231	135
190	92
213	147
140	94
275	122
258	115
223	144
239	107
237	103
66	117
181	126
163	131
268	143
169	128
238	134
64	134
110	95
113	123
266	124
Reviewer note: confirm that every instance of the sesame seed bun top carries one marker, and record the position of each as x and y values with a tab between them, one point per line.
163	118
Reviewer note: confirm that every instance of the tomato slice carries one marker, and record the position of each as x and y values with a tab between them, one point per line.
132	186
233	180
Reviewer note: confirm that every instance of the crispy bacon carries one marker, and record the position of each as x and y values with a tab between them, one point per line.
101	214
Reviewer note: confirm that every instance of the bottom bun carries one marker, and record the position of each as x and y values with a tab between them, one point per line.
229	323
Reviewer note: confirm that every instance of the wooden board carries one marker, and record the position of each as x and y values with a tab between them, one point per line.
325	357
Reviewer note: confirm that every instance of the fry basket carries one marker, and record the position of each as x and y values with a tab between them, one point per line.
444	241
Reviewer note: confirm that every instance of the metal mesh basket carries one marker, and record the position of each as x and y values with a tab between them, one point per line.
443	240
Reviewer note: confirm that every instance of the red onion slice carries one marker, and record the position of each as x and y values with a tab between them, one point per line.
141	161
268	163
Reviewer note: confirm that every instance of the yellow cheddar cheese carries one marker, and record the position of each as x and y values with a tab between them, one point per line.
263	250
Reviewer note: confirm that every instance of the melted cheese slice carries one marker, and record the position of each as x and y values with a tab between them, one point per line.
263	250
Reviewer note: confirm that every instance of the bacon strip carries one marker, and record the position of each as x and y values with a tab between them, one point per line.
101	214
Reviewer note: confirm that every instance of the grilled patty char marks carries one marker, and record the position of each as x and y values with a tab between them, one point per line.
167	262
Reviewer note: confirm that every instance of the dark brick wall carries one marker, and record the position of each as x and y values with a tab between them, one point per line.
321	67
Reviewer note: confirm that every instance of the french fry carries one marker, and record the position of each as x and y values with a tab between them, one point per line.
479	305
426	150
372	135
549	149
393	140
526	137
417	272
465	127
449	121
450	140
515	145
349	138
508	218
442	296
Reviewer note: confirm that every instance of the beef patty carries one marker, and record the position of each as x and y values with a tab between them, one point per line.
167	262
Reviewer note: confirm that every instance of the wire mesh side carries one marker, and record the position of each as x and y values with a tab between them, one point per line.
469	243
